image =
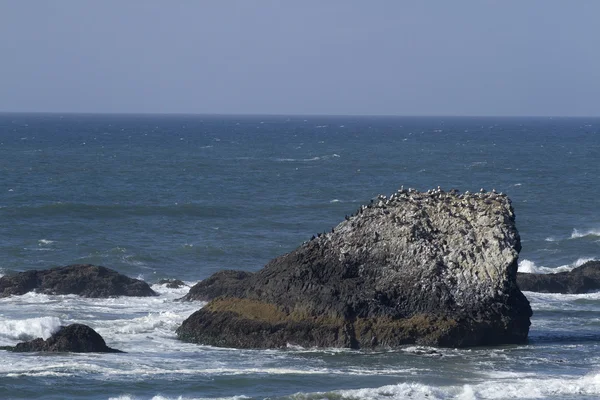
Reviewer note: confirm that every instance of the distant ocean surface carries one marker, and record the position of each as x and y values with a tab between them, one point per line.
175	196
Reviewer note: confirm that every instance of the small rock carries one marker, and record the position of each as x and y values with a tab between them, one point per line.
75	338
172	283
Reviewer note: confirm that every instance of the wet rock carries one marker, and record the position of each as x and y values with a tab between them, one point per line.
222	283
76	338
583	279
436	268
172	283
81	279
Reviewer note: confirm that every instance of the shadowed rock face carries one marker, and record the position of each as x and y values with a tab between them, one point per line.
430	268
583	279
76	338
84	280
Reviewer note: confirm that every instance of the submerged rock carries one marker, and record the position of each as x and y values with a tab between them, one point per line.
81	279
429	268
76	338
172	283
583	279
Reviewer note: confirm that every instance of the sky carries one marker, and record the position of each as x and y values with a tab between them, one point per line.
436	57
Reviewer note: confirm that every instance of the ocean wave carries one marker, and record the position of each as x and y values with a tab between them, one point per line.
478	164
511	388
150	323
580	234
530	267
318	158
342	201
28	329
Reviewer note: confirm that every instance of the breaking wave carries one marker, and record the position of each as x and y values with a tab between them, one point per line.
580	234
28	329
511	388
530	267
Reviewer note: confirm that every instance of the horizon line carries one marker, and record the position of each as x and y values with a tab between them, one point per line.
2	112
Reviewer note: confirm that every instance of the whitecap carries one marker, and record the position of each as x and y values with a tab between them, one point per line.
524	387
45	241
28	329
478	164
580	234
530	267
316	158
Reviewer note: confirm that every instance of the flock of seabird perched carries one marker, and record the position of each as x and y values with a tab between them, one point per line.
410	194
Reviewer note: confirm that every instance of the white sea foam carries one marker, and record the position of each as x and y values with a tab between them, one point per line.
530	267
415	391
580	234
27	329
512	388
535	388
42	242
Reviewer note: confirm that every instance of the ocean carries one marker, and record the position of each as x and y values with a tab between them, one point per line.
184	196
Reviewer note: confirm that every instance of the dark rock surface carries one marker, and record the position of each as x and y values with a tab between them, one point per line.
228	282
82	279
583	279
76	338
429	268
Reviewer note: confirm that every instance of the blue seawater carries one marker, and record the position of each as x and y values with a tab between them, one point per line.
178	196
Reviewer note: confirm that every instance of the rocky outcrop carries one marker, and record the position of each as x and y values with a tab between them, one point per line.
583	279
431	268
76	338
81	279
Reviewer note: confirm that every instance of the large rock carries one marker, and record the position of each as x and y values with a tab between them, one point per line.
429	268
82	279
76	338
583	279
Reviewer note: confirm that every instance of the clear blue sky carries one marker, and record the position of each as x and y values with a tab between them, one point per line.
539	57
